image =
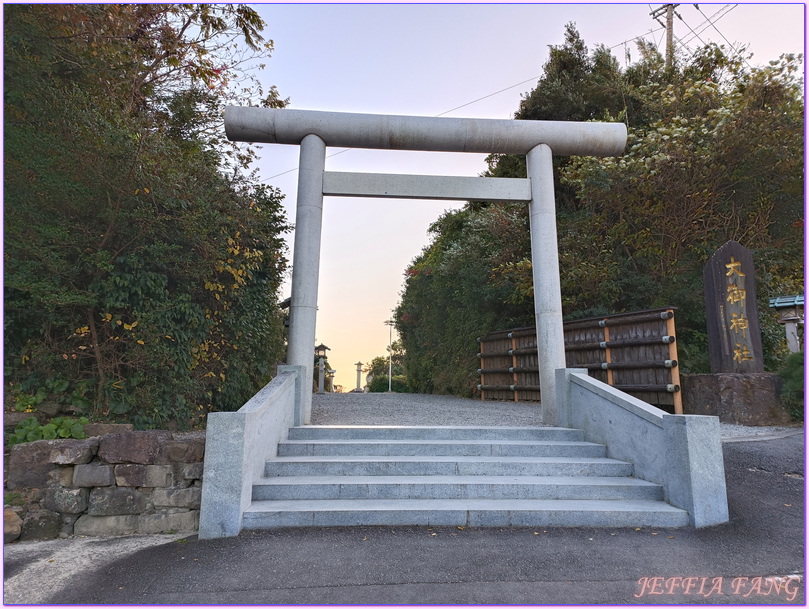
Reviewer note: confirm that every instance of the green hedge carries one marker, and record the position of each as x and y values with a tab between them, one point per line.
379	384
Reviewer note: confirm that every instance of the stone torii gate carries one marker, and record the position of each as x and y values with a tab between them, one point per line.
313	131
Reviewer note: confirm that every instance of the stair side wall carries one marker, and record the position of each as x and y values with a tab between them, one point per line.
682	453
238	444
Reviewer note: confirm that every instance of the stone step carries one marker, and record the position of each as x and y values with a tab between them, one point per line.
454	487
445	466
463	512
352	475
509	448
399	432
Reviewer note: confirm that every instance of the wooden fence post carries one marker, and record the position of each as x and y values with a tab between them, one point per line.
645	341
675	371
482	366
514	365
608	354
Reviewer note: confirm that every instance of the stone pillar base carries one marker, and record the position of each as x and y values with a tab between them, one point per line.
743	399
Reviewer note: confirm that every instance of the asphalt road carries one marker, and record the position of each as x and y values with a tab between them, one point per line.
756	558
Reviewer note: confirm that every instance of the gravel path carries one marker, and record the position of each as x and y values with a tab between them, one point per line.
417	409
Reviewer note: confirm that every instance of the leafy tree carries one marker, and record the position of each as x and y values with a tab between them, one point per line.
452	296
722	161
141	264
379	365
575	86
715	153
378	370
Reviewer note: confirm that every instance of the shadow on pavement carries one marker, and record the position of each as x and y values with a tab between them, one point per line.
419	565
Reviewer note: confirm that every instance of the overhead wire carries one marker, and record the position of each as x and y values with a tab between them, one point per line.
436	116
652	32
489	95
636	37
683	44
707	23
711	21
695	32
728	41
680	17
659	42
651	12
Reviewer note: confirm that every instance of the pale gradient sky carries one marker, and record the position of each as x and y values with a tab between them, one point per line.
423	60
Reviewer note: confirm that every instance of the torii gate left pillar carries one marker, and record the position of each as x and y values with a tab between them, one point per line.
538	140
306	262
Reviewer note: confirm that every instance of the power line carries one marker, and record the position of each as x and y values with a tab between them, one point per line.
662	35
680	41
728	41
436	116
711	21
695	32
489	95
708	20
683	44
680	17
328	156
663	29
636	37
707	23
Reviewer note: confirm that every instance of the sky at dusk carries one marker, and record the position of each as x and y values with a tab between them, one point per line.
426	60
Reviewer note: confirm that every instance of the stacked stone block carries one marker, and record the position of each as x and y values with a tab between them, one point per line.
116	484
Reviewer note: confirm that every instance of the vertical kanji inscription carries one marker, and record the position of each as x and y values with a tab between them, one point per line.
734	337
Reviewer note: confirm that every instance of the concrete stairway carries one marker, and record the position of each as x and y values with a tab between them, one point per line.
464	476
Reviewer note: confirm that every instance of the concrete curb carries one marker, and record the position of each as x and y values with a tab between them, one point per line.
763	437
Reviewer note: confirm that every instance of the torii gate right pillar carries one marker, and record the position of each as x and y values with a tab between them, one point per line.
547	287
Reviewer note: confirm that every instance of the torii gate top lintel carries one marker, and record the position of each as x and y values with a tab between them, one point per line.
538	140
348	130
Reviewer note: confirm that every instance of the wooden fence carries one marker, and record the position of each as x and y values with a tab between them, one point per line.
634	352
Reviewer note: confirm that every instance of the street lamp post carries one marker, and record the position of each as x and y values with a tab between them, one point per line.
389	323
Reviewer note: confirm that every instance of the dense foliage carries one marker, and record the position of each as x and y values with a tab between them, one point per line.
792	393
380	384
380	364
715	153
141	265
452	296
30	430
378	369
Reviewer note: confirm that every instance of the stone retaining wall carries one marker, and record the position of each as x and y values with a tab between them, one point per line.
737	398
114	484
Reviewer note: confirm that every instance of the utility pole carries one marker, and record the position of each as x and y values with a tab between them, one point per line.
669	25
669	35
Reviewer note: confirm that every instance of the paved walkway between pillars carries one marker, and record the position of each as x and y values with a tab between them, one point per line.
756	558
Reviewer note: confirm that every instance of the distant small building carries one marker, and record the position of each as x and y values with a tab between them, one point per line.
790	315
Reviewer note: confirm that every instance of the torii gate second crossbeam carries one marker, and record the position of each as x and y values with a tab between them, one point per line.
538	140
